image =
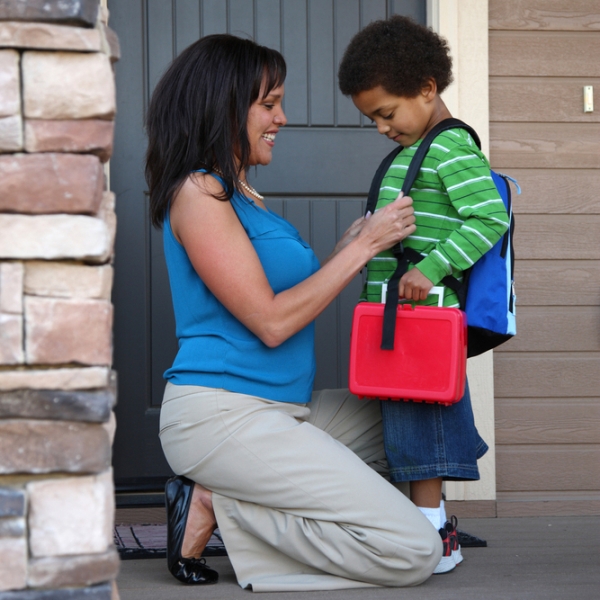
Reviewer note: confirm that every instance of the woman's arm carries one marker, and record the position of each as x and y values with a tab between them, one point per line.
225	260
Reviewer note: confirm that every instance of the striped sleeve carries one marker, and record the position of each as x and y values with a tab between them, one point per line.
466	177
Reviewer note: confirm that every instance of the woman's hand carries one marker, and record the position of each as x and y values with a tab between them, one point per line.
403	211
390	224
414	285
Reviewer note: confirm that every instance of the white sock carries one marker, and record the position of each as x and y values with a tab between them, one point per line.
434	516
443	513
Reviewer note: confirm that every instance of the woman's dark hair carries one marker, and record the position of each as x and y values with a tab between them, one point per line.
396	54
198	113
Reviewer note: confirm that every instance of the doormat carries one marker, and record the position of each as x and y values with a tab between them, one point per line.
150	541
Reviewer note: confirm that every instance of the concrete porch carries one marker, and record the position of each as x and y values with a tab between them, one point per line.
529	558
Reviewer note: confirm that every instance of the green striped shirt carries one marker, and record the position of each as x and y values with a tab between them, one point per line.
459	212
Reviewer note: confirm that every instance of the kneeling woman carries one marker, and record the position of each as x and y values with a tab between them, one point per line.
293	479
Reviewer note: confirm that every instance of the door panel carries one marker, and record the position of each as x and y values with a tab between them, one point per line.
318	180
322	160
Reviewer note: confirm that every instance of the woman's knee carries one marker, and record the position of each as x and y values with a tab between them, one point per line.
423	553
403	559
429	556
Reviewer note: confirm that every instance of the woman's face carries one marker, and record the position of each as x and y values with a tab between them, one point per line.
265	117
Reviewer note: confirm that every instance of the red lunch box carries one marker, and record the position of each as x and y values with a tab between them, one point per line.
427	364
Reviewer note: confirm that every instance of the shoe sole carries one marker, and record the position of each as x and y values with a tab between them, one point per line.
445	565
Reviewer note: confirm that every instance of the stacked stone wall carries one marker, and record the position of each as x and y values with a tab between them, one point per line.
57	227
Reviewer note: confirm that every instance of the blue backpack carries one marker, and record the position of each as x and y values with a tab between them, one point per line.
486	293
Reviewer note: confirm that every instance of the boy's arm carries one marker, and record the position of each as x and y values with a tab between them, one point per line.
468	182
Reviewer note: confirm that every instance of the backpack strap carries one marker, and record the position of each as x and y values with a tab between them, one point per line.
378	178
403	256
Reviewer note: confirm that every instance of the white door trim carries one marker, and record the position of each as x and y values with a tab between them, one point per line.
464	24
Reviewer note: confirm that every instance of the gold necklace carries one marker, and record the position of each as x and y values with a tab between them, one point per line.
247	187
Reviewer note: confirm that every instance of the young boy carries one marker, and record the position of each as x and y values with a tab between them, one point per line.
395	71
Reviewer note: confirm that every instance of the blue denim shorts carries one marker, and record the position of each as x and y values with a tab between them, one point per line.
425	441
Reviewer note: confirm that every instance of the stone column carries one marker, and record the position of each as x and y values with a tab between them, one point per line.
57	227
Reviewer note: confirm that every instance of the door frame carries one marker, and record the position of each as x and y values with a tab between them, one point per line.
467	33
465	25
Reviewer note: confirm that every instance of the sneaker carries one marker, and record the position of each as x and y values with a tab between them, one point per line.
452	532
447	563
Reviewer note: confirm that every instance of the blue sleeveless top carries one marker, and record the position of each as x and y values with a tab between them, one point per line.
215	349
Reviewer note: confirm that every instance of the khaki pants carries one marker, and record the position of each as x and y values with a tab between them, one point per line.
296	501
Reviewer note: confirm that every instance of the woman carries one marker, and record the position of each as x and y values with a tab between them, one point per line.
288	481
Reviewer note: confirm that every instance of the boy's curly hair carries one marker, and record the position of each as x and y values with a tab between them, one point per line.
397	54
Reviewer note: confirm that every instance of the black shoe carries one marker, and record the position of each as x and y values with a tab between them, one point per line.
467	540
178	496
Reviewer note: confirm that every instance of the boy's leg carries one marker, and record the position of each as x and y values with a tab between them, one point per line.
427	493
426	441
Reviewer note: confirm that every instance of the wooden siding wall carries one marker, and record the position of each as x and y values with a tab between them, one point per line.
547	380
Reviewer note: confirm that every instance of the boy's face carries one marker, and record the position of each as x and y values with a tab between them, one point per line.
404	120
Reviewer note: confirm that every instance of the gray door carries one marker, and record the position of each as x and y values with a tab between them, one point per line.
319	178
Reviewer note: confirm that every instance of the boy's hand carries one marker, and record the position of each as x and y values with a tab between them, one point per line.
414	285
